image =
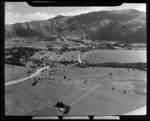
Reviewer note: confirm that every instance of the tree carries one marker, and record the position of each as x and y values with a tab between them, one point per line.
65	77
34	83
29	72
67	109
60	105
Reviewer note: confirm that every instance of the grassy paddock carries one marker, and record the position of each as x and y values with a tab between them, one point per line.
15	72
139	66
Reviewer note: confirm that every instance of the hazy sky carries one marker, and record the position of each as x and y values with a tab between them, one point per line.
22	12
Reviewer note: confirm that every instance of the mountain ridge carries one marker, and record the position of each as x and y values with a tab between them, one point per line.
123	25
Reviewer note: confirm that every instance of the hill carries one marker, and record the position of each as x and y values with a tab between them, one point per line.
121	25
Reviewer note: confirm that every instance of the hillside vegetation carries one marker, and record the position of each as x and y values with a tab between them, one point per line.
121	25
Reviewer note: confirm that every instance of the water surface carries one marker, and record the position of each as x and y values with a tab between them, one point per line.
121	56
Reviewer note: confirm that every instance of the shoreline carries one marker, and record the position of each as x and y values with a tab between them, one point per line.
138	66
142	66
92	51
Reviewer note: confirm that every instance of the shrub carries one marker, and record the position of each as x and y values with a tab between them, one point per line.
65	77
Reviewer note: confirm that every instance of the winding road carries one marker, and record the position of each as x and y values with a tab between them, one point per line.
38	71
25	78
28	77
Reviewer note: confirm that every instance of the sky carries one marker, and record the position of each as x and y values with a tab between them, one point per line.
22	12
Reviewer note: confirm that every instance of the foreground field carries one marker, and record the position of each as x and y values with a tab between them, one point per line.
13	72
89	91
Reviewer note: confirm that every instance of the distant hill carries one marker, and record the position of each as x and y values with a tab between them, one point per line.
121	25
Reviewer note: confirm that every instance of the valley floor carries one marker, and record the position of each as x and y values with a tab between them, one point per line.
88	91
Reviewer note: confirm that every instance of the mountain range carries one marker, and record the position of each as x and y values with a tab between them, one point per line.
117	25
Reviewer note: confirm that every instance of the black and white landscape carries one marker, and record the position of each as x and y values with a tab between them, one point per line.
118	25
89	64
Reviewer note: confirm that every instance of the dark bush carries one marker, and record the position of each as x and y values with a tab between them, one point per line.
34	83
60	105
65	77
67	109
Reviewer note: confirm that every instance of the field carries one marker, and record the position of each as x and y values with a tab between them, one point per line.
37	43
26	44
104	101
16	72
93	97
89	91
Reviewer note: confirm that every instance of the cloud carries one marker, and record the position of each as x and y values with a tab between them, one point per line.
78	11
124	6
8	7
11	18
142	7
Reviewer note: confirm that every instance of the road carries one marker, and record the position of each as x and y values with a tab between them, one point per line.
79	58
25	78
37	72
31	76
28	77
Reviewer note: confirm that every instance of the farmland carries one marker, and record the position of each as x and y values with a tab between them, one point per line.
89	89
